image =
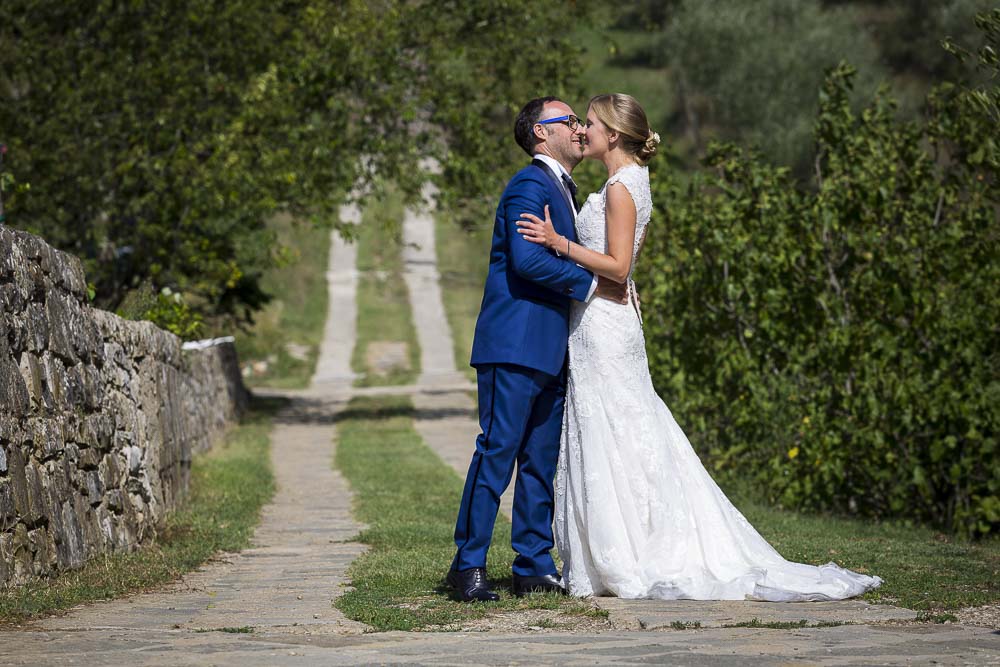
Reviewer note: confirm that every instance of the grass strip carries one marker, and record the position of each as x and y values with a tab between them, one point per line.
409	498
384	314
463	260
242	630
922	569
281	347
229	485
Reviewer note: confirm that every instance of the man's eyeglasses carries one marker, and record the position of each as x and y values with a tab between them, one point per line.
570	121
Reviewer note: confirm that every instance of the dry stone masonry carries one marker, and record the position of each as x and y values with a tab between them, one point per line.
99	416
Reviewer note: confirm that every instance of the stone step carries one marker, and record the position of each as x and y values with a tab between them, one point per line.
689	614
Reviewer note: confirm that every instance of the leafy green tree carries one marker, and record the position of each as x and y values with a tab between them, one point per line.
497	56
908	33
836	342
116	113
643	14
159	137
748	71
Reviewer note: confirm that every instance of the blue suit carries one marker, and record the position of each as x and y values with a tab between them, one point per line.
519	352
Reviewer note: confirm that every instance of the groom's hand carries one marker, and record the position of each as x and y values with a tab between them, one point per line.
612	291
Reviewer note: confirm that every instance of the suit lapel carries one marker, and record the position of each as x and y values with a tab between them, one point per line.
554	183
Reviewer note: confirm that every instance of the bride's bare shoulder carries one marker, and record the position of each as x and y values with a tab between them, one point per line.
620	202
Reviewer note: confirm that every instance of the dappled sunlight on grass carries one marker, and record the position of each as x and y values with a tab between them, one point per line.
409	498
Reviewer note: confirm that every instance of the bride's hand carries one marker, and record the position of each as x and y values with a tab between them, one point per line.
539	231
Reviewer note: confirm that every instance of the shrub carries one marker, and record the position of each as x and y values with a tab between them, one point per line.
838	345
166	309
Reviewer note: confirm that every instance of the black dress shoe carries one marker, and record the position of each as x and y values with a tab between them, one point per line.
549	583
472	585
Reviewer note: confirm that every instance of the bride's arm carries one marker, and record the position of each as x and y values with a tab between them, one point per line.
620	219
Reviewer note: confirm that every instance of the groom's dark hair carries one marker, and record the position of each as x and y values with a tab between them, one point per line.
524	135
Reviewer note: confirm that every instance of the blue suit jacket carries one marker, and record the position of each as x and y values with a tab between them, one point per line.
524	317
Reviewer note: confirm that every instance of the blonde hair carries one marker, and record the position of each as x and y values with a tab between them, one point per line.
621	113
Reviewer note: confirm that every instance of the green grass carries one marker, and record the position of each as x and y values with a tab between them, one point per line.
922	568
242	630
229	485
296	314
383	301
409	499
785	625
463	259
685	625
937	618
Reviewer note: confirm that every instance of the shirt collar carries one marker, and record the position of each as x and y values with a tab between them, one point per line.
552	163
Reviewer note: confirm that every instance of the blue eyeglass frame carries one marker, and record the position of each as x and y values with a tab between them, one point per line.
561	119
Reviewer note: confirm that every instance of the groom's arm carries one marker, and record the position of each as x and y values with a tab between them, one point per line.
532	261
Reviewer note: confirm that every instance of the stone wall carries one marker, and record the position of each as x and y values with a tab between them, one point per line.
99	416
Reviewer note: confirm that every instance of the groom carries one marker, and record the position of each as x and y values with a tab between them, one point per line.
519	353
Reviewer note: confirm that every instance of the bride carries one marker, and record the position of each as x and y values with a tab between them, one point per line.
637	515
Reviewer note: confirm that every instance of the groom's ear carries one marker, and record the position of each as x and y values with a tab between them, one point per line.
539	130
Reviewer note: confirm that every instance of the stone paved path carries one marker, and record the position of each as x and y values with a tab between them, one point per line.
284	584
334	363
437	356
845	645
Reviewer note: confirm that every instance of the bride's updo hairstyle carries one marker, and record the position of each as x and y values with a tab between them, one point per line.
621	113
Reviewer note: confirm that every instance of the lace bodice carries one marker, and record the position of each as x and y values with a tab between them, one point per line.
591	228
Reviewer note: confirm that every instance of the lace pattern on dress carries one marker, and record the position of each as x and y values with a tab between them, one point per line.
637	515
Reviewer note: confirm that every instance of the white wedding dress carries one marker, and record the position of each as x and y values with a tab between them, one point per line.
637	515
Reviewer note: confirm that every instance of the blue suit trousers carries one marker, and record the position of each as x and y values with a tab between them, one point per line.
520	414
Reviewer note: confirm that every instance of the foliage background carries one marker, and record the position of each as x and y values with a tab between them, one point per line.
835	342
820	289
159	138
